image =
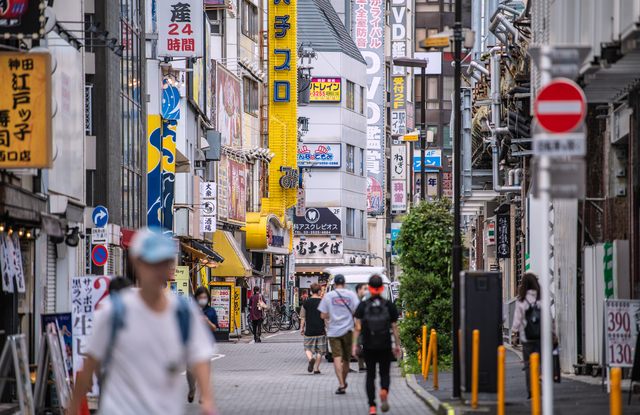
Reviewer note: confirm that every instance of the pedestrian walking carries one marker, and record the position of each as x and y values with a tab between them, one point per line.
143	338
375	319
526	320
338	307
257	305
312	327
210	318
361	289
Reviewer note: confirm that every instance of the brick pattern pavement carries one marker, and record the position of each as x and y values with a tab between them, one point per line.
271	378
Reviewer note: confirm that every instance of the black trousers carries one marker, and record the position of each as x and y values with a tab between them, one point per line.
257	328
527	349
383	359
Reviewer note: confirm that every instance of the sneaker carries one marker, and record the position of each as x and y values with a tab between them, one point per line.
372	411
384	404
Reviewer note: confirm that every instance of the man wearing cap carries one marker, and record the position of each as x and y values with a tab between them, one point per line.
147	354
338	306
375	318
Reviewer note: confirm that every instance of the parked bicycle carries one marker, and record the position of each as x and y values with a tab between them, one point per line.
288	319
269	324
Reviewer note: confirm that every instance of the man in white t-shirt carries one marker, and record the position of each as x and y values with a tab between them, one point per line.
338	306
143	375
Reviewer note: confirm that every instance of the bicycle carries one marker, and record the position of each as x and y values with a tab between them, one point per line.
268	322
287	317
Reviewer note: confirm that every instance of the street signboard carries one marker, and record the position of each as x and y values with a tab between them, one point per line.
99	236
566	60
560	106
560	145
436	42
567	179
301	207
100	216
622	319
100	255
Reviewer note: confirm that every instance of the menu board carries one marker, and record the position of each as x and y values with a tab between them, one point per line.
622	326
222	302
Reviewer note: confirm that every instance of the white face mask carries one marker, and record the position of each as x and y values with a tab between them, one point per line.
203	302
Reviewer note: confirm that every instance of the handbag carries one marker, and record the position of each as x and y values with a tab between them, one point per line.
262	306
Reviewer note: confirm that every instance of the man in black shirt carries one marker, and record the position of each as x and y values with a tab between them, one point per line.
375	318
312	328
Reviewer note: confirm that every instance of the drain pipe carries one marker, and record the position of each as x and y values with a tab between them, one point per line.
496	121
475	65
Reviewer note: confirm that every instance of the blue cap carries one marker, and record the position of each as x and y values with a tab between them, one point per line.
152	247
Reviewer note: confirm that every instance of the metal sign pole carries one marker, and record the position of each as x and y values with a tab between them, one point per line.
546	338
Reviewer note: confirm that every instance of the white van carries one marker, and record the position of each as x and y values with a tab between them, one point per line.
353	275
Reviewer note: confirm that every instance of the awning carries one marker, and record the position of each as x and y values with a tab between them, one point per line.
210	252
203	257
192	251
235	264
310	270
127	236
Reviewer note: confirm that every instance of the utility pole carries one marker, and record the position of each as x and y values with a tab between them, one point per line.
456	254
423	134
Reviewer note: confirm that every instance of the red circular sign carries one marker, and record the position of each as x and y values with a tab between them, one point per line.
99	255
560	106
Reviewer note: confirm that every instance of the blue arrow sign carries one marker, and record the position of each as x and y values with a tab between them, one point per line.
100	216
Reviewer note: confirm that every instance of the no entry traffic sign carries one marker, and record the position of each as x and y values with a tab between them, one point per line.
99	255
560	106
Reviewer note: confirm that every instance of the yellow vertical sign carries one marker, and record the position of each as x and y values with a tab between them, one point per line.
283	95
25	110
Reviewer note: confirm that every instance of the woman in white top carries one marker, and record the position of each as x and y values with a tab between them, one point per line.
528	294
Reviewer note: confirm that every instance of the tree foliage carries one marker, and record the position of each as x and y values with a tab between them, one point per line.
425	243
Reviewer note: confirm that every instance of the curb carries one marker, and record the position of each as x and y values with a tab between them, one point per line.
432	402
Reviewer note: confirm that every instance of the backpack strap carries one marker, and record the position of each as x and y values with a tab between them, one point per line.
184	319
118	314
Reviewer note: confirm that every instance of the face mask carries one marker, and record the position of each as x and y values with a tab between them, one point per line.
203	302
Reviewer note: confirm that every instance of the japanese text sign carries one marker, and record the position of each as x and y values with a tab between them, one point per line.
320	155
326	89
398	122
398	162
398	34
22	19
318	221
398	93
208	206
180	28
398	195
503	236
622	321
222	302
318	247
25	110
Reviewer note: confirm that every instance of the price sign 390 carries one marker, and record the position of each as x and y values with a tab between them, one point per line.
622	323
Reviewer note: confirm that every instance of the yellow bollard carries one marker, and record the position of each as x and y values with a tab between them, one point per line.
475	361
534	368
501	380
429	356
424	348
434	357
615	397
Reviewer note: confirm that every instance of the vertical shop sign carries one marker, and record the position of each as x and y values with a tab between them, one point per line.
154	171
369	35
208	208
399	195
25	110
398	122
398	162
283	123
398	34
169	131
236	192
180	28
447	184
411	124
229	107
223	181
503	236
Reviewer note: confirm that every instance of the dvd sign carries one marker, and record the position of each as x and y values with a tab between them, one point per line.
319	221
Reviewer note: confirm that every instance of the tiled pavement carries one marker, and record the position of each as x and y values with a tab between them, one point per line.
271	378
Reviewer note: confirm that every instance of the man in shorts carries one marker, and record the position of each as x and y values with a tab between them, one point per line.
338	306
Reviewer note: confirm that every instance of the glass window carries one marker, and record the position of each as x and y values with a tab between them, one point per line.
361	100
250	94
351	218
350	158
447	142
351	87
250	20
361	162
362	223
433	99
447	91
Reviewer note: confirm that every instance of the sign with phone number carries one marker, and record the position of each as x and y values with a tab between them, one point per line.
326	90
622	323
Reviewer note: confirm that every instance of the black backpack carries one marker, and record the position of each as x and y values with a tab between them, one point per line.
532	315
376	325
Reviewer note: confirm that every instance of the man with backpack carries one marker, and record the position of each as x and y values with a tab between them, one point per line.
338	307
375	319
142	340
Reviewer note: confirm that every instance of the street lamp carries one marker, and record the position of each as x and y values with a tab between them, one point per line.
422	64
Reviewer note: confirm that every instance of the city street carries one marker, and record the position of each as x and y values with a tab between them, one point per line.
271	378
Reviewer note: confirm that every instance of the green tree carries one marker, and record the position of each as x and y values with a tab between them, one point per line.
425	242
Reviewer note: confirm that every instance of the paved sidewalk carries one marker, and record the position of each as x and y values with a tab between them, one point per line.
571	396
271	378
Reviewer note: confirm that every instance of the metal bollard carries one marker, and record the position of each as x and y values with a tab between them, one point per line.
501	380
429	355
434	357
534	369
475	362
424	349
615	397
